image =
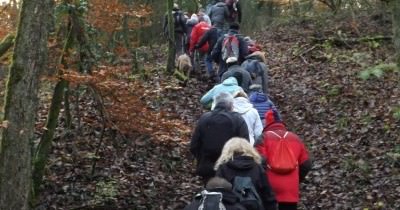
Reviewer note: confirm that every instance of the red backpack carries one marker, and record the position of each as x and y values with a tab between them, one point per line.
283	160
230	47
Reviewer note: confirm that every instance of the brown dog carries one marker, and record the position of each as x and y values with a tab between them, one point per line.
184	64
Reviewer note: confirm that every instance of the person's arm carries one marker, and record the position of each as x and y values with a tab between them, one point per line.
243	130
195	142
304	161
203	39
208	97
258	127
216	52
266	193
239	11
165	25
244	50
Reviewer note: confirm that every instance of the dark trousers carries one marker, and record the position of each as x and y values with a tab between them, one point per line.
287	206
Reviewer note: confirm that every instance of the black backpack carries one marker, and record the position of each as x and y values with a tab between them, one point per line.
246	192
178	20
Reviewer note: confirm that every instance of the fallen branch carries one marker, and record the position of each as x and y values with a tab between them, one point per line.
350	41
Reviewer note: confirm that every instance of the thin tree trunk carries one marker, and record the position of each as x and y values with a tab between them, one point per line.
21	102
171	38
6	44
44	146
396	28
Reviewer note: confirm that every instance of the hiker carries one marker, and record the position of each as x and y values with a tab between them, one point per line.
261	102
287	161
230	85
235	11
198	31
179	29
234	69
190	23
210	37
256	66
202	13
219	14
231	44
242	105
220	187
239	158
213	129
252	45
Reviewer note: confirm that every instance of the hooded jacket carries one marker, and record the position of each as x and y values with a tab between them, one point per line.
246	166
262	104
285	186
212	131
229	85
246	78
198	31
219	13
242	106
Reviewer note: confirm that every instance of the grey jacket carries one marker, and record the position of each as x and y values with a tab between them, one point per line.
219	14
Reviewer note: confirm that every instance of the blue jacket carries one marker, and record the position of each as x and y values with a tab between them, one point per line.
262	103
230	85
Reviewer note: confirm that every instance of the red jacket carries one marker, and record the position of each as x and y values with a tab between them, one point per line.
285	187
197	32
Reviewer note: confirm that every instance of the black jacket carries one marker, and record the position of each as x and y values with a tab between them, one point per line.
245	166
230	201
211	37
216	53
178	20
213	130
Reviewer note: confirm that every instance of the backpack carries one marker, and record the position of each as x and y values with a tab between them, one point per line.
246	192
283	160
211	201
252	66
178	20
230	47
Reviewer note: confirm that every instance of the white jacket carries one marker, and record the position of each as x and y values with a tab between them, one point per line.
243	106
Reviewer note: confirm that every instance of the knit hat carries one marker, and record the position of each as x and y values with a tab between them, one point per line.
271	116
231	60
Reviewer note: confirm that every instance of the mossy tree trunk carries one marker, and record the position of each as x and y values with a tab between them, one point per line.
44	146
21	102
6	44
171	38
396	28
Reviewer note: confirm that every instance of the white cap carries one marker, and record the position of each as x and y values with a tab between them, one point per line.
231	60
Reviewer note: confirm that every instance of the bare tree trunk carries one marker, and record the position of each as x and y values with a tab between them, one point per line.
20	107
396	28
171	38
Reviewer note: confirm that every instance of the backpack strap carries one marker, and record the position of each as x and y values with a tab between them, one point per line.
281	138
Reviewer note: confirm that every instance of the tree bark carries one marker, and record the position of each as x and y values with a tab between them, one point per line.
20	107
171	38
396	29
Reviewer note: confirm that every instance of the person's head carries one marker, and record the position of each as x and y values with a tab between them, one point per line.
239	78
201	18
271	117
240	93
237	147
176	6
224	100
234	26
218	183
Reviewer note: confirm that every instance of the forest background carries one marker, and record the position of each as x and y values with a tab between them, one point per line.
113	120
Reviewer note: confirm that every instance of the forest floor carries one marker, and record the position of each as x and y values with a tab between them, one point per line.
347	122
